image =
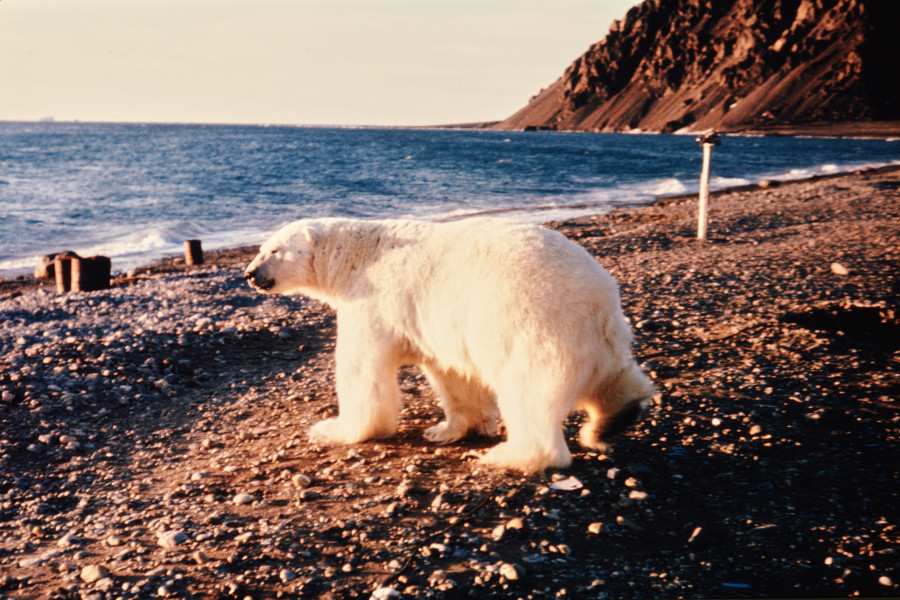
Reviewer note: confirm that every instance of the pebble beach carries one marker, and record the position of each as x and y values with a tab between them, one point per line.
152	435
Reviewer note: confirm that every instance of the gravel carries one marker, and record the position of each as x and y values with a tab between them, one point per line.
152	436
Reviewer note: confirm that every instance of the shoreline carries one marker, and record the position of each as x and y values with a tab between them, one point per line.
174	262
154	433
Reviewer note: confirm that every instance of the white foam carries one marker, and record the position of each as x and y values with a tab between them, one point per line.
664	187
727	182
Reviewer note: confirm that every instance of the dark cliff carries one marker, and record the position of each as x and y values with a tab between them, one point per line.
731	65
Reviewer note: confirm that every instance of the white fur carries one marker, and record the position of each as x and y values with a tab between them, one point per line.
506	320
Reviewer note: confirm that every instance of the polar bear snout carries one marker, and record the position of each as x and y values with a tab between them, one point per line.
259	280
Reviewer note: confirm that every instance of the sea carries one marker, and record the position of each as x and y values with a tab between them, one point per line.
136	192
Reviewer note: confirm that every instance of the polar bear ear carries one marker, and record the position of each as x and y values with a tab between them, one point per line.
312	232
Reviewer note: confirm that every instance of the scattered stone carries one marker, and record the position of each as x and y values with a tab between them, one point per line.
511	571
620	520
300	480
839	269
68	540
569	484
31	561
92	573
171	539
244	498
695	534
498	533
385	593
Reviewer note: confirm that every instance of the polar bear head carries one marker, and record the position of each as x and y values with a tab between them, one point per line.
284	264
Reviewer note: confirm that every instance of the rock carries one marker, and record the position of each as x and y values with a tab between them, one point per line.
31	561
171	539
244	498
439	580
300	480
839	269
511	571
569	484
385	593
68	540
667	66
286	575
695	534
620	520
595	527
498	532
92	573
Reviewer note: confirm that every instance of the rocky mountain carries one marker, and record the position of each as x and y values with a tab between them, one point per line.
730	65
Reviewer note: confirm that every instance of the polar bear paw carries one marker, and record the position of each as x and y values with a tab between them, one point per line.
507	456
442	433
332	431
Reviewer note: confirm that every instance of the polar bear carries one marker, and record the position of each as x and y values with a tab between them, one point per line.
507	320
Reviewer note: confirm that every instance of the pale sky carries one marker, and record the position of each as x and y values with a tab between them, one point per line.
303	62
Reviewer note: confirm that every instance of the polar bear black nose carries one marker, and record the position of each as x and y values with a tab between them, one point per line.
257	281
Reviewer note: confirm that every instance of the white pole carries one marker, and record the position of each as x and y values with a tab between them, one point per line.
704	193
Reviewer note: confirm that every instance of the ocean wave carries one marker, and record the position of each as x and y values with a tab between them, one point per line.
727	182
665	187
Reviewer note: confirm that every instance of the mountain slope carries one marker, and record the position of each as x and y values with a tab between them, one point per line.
731	65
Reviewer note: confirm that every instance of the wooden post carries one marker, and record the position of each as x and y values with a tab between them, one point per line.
707	141
62	265
193	252
90	274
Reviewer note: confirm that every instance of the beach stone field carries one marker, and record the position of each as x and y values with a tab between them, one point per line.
153	435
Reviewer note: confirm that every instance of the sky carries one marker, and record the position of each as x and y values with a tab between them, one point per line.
297	62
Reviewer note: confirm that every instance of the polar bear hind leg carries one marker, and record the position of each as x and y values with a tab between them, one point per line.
533	412
613	406
469	407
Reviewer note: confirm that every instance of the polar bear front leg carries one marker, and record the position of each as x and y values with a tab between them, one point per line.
366	383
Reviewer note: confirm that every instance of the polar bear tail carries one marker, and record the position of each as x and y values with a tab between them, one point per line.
615	406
